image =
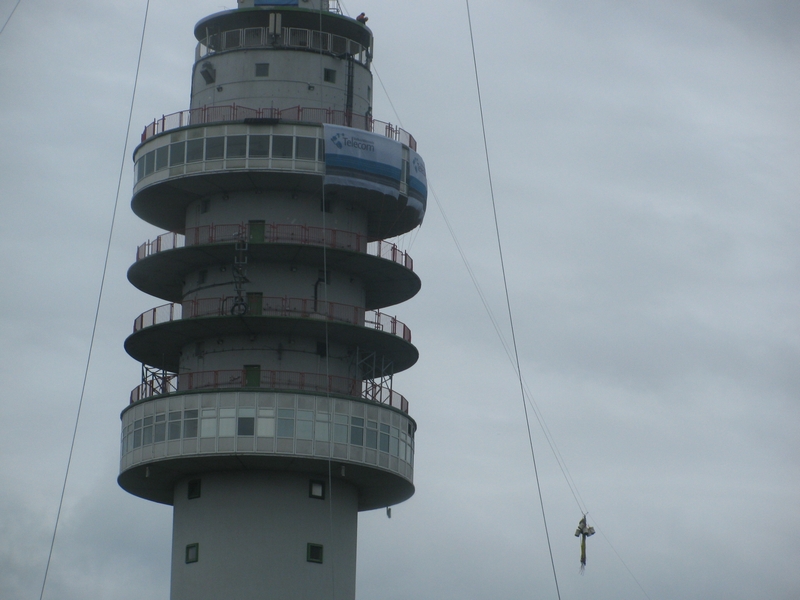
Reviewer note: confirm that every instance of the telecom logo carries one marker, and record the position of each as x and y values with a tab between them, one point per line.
419	167
337	140
340	140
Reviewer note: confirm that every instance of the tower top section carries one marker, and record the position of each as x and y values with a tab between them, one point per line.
303	14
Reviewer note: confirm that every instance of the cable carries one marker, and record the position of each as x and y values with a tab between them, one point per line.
508	300
97	308
324	208
529	396
2	29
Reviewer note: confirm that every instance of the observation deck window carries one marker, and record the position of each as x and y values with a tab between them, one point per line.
215	148
282	146
286	37
237	146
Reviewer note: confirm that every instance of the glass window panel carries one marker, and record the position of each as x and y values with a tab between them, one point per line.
266	427
147	421
174	430
237	146
227	412
340	434
160	432
282	146
384	442
194	150
286	413
162	158
285	427
306	148
305	415
147	436
215	148
149	163
137	424
246	426
137	438
175	416
161	417
393	449
208	427
305	430
139	169
322	432
357	436
259	145
190	428
177	153
372	439
190	414
227	427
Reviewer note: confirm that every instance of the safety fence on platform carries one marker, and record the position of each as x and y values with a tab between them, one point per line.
256	305
161	383
232	112
274	234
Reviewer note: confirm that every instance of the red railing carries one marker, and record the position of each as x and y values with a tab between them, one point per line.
233	112
170	383
275	234
275	307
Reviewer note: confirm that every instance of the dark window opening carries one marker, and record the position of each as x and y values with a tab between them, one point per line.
313	553
193	553
259	145
316	489
194	150
262	69
215	147
330	76
194	489
282	146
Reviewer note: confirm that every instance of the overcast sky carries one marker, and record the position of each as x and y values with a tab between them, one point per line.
645	163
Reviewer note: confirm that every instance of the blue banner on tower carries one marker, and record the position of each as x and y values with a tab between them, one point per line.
417	182
362	159
276	3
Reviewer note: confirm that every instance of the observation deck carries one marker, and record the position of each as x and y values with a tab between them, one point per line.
387	272
160	334
178	166
164	439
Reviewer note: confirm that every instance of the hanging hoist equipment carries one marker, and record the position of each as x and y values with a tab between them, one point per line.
583	531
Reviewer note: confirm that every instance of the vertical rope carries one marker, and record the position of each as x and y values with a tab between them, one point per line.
508	301
97	307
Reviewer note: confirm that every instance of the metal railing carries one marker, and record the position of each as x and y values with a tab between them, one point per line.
170	383
289	37
272	307
233	112
275	234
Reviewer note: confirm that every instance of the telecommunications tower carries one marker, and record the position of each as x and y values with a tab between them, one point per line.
266	414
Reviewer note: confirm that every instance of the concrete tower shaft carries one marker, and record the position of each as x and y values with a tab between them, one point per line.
266	414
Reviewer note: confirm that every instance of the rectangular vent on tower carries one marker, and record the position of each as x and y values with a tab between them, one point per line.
313	553
262	69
